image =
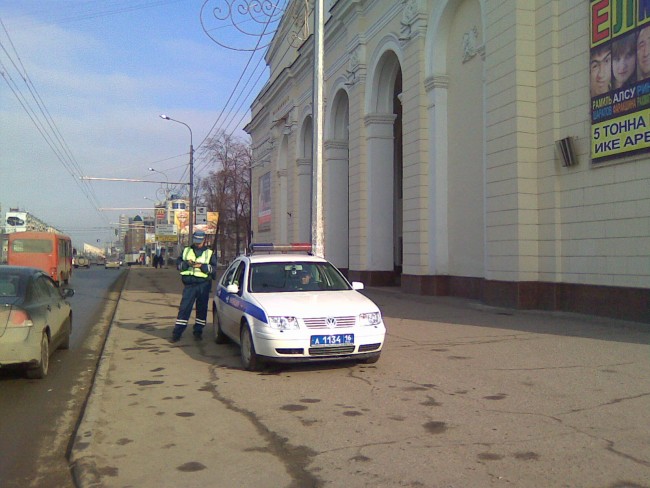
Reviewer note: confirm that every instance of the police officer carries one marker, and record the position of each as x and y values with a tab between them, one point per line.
198	267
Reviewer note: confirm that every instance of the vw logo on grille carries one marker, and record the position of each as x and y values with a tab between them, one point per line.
331	322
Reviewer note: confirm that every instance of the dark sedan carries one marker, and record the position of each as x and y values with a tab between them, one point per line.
35	319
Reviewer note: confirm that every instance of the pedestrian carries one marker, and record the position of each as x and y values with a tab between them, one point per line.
198	267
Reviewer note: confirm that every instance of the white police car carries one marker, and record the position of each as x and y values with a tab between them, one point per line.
282	304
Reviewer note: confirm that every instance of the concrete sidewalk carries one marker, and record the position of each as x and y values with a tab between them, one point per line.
144	385
168	415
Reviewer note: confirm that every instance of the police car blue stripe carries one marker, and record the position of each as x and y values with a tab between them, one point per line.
240	304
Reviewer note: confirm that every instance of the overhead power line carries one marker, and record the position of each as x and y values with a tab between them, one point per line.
34	106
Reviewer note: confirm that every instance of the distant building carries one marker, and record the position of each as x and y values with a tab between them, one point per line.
20	221
134	239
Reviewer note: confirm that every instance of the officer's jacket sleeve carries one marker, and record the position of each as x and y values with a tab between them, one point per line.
211	267
181	264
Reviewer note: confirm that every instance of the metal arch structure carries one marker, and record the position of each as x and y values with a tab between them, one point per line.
252	19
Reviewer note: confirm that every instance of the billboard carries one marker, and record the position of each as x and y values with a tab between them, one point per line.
161	215
619	78
15	222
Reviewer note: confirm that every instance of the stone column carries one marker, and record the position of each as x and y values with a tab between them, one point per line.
380	191
337	205
436	88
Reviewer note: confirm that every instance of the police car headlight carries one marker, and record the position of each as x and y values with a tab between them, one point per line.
372	318
283	323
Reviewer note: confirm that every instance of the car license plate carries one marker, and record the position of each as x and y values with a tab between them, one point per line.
332	340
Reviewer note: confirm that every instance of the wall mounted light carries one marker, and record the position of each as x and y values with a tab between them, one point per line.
566	151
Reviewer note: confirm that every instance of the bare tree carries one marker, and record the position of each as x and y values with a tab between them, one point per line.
227	191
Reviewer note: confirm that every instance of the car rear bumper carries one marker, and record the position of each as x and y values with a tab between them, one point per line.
19	345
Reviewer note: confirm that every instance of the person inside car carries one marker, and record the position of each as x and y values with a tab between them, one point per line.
306	281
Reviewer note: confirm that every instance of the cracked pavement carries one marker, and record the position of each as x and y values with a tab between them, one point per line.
463	395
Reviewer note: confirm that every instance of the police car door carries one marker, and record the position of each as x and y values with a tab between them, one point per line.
232	303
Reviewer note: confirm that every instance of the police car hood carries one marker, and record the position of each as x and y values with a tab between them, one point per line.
315	304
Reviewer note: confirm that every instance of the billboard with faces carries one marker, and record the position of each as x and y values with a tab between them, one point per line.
619	81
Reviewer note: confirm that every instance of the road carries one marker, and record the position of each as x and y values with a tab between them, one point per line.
38	417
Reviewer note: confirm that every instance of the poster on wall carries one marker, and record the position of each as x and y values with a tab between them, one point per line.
619	79
264	204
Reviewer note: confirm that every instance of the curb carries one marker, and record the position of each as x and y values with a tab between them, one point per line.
82	459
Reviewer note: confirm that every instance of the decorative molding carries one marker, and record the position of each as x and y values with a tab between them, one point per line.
356	70
412	20
376	118
335	144
470	45
436	81
304	166
303	162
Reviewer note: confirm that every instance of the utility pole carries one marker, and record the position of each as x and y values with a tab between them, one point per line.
191	228
317	154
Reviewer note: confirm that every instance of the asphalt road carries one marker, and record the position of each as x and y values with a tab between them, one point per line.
38	417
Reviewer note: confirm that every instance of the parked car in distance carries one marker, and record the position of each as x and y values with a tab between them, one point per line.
281	305
35	319
112	263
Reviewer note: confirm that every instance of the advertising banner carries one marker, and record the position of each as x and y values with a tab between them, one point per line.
161	215
182	221
15	222
619	78
264	203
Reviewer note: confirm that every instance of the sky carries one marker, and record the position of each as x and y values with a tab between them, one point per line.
95	76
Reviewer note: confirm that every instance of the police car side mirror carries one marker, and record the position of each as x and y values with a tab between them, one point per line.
232	289
357	285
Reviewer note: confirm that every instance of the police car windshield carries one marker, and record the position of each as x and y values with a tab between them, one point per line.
295	276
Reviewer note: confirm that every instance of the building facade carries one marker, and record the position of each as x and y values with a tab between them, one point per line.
461	152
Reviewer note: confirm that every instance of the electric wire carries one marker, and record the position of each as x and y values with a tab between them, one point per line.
229	118
65	156
44	122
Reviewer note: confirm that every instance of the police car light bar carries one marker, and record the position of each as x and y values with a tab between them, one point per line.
293	247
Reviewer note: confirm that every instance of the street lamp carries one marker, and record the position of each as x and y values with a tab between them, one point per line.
166	179
191	211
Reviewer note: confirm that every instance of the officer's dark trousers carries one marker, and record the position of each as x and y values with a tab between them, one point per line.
199	293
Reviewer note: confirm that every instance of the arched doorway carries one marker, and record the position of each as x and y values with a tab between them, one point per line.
457	172
337	221
304	173
385	169
282	234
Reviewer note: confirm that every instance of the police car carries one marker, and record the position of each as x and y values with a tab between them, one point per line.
283	304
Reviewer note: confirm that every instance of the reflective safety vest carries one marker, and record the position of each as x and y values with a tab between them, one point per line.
189	255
